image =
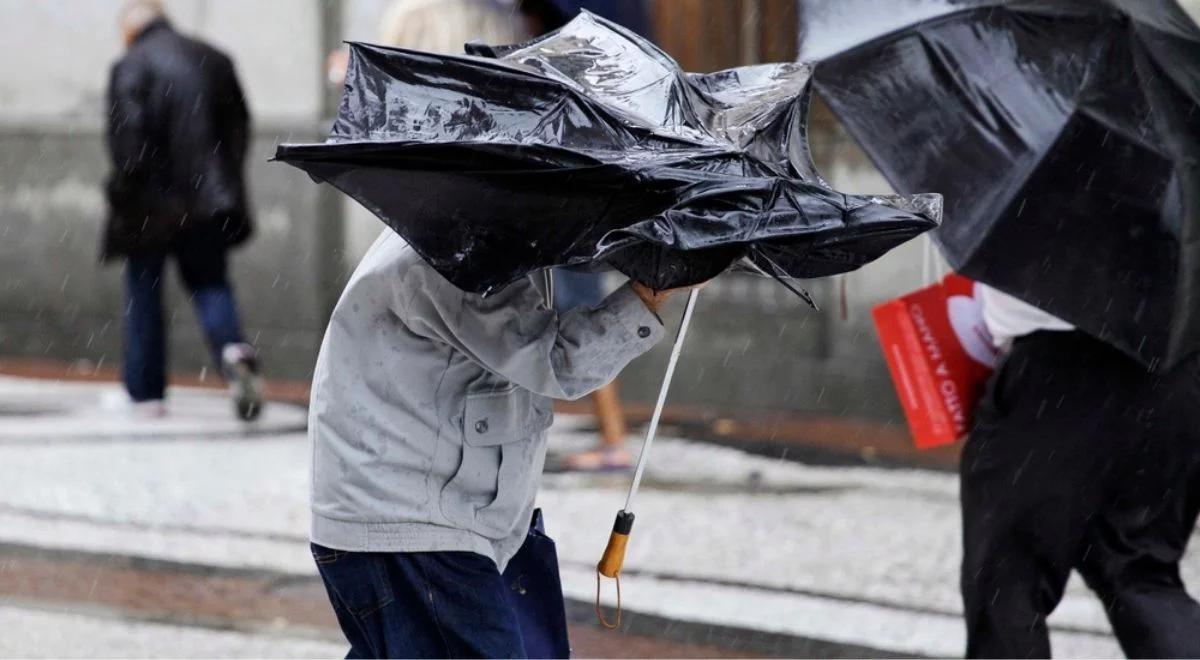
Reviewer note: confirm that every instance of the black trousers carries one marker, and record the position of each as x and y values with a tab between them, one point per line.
1081	459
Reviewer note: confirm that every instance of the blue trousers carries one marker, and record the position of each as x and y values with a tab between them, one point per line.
203	271
420	604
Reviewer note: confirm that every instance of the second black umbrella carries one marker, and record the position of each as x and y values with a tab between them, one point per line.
1065	136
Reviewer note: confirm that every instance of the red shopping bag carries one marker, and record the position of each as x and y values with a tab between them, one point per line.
940	355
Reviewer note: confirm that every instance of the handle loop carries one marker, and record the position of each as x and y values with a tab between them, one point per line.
600	611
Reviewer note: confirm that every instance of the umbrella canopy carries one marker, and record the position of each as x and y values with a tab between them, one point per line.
590	145
1064	134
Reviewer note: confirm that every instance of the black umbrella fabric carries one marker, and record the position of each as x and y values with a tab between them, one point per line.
1064	134
589	145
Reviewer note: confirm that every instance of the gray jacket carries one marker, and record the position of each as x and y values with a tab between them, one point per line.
430	405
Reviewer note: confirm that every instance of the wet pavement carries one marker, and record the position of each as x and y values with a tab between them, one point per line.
134	532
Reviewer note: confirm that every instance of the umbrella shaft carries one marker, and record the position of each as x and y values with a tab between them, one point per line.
662	398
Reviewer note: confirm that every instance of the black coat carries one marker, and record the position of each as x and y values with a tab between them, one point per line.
178	131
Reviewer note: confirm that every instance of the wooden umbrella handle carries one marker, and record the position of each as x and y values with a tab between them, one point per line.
614	553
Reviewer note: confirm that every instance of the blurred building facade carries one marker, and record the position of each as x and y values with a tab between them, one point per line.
754	345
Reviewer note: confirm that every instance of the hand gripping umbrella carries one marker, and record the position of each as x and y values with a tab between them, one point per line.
1064	134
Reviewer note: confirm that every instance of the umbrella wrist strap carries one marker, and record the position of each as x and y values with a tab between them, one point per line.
615	623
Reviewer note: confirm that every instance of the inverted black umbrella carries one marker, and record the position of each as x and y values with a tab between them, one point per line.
1064	134
590	145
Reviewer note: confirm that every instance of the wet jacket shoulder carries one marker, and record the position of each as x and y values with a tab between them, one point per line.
178	131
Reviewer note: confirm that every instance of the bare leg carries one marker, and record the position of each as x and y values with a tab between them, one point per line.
607	403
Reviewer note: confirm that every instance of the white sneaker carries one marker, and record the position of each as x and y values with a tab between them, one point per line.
241	371
118	401
152	409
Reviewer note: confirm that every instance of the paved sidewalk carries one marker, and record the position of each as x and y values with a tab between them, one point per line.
47	633
773	556
36	411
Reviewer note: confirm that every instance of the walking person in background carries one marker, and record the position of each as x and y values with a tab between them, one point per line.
178	130
1079	459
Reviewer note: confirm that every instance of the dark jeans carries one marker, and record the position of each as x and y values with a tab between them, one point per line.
203	272
420	604
1080	459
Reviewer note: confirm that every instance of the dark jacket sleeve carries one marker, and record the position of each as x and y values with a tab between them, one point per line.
238	115
127	129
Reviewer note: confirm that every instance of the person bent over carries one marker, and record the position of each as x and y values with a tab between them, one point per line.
428	422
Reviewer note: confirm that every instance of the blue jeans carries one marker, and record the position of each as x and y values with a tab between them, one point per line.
420	604
203	271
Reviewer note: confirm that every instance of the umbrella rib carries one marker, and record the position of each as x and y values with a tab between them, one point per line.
775	274
1010	195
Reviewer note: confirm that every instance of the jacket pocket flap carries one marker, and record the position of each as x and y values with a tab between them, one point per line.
496	418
